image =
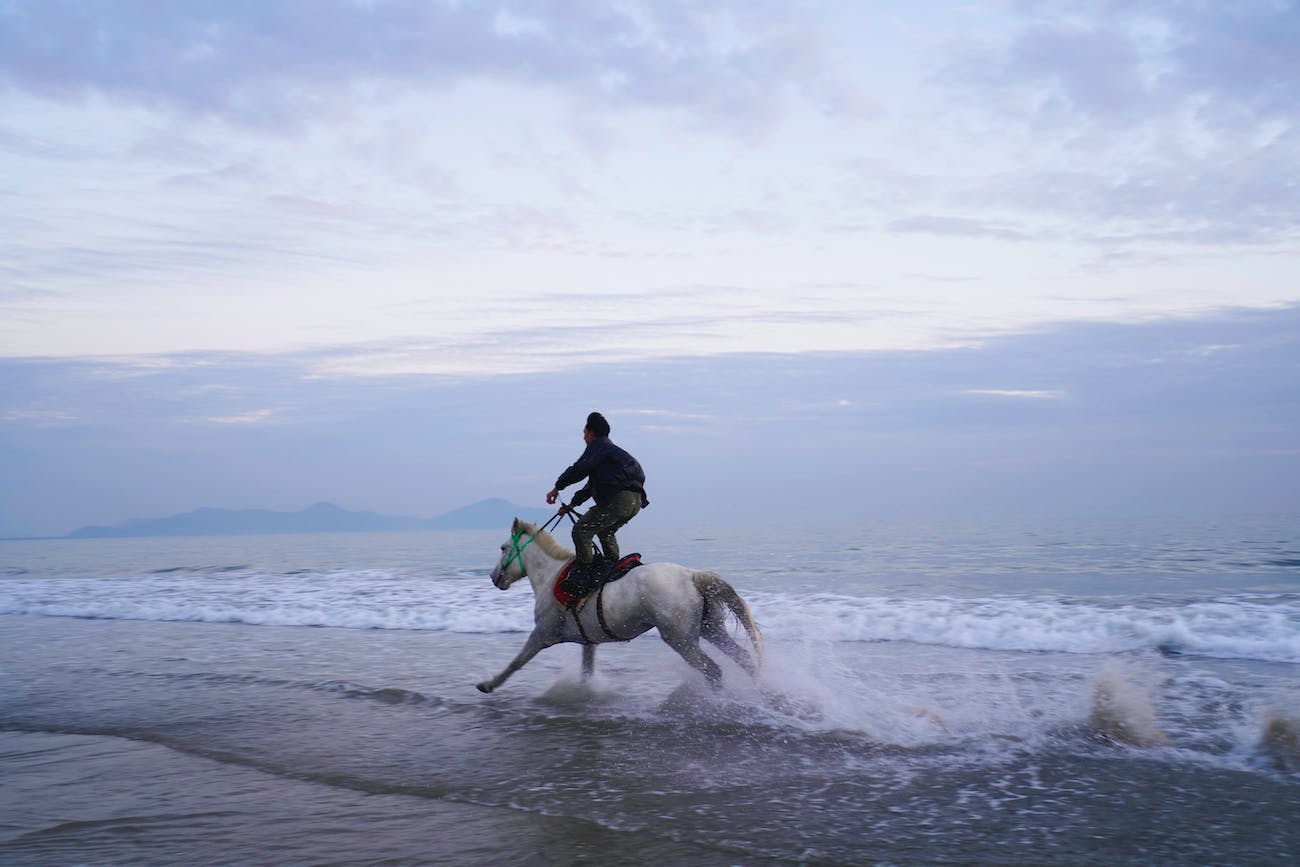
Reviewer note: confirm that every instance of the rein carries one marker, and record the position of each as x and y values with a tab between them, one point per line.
517	550
517	553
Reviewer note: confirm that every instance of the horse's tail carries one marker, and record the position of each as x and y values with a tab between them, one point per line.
712	587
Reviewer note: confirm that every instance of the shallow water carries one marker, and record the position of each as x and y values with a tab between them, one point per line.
1071	695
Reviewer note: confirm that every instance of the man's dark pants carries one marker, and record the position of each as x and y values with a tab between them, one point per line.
604	520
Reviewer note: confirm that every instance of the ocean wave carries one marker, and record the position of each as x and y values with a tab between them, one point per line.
371	599
1243	626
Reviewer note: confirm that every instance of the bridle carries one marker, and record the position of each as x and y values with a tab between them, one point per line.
517	550
517	553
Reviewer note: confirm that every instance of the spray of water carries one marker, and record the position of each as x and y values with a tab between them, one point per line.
574	693
1123	711
1280	741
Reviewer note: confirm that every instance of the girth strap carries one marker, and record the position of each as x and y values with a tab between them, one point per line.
600	616
576	609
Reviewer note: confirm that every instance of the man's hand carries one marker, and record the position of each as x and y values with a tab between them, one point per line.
552	496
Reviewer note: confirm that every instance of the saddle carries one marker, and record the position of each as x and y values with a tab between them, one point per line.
574	584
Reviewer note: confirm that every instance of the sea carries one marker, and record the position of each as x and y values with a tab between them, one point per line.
1100	691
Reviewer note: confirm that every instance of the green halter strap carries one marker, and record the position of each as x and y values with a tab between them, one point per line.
517	551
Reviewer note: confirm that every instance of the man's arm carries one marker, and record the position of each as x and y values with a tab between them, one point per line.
581	468
581	495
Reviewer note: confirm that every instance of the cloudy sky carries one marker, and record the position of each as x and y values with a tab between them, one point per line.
861	259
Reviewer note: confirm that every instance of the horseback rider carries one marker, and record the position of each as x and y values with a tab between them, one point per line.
617	483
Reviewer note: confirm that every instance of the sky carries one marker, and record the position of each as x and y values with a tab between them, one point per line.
851	260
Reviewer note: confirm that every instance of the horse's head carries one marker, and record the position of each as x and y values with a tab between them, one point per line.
510	567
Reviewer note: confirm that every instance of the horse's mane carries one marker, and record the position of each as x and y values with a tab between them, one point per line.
546	541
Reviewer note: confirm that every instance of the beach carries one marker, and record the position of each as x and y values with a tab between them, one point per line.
1070	694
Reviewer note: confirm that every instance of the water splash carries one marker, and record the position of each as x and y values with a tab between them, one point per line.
1280	741
1123	712
570	693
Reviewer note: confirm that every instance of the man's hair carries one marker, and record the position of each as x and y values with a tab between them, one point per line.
596	424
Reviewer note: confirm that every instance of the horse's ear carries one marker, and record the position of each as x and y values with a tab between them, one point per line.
514	528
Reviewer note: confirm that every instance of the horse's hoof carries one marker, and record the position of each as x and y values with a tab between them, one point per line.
484	687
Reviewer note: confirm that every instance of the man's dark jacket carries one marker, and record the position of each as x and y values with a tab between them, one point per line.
608	469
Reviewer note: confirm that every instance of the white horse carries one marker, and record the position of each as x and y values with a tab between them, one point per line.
685	604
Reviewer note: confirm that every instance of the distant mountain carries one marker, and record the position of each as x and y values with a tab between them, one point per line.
320	518
487	515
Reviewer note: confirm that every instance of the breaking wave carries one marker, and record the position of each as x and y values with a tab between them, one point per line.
1241	626
1245	626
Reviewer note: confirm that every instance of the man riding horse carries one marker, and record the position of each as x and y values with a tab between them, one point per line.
614	480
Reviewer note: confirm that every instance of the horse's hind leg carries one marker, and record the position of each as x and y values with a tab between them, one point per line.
713	628
588	660
718	635
699	660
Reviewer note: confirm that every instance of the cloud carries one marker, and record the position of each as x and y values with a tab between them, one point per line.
656	417
1151	423
1122	63
1241	55
278	63
1136	123
404	176
1232	196
1027	393
38	416
958	227
257	416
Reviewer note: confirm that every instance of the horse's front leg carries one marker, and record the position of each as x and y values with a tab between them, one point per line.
588	660
532	647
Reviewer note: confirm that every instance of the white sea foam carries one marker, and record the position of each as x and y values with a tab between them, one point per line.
366	600
1247	626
